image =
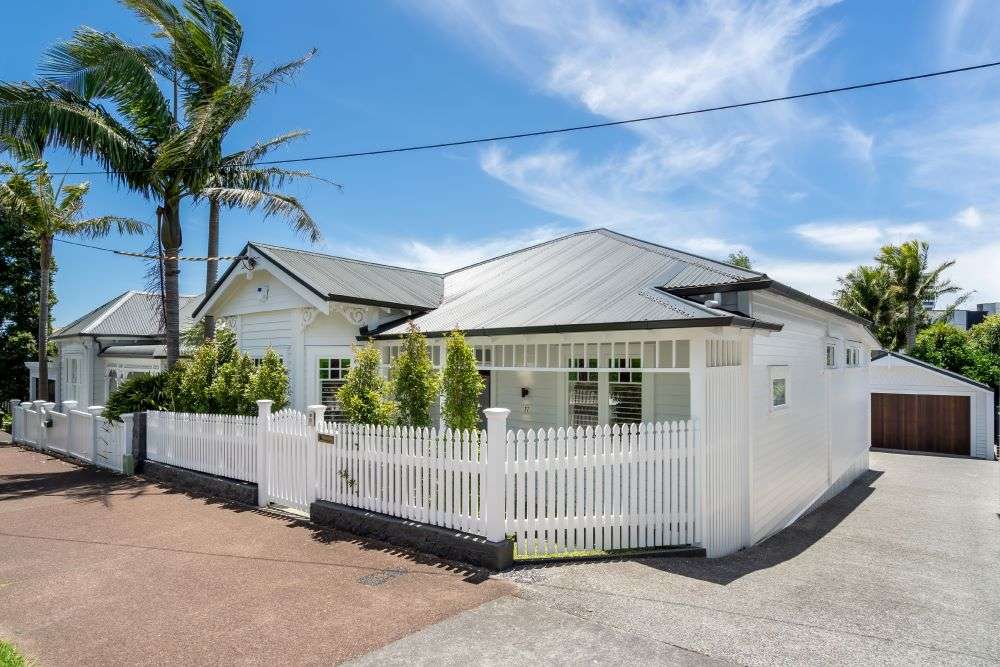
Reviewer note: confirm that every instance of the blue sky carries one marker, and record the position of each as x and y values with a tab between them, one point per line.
808	188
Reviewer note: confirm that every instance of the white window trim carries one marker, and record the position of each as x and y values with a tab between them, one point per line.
778	373
830	343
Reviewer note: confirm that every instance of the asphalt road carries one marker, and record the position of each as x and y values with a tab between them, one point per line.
902	568
101	569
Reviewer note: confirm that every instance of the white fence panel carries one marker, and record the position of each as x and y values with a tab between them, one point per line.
223	445
625	487
81	434
32	433
291	460
114	439
58	433
421	474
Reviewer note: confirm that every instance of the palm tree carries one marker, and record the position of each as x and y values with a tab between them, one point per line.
143	145
865	291
912	282
46	211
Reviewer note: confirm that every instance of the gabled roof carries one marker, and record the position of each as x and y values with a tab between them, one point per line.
587	280
130	315
349	280
880	354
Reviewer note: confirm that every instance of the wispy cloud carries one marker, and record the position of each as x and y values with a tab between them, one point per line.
857	144
970	218
862	236
623	60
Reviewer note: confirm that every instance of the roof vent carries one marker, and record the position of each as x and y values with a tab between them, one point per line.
712	303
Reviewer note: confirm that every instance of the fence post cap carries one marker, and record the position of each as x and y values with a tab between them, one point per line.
95	409
265	401
70	404
48	405
496	412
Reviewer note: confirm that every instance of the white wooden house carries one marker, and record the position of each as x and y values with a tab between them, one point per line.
107	345
596	328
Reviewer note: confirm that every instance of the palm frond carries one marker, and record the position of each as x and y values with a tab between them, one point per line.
271	203
258	151
97	65
281	74
103	225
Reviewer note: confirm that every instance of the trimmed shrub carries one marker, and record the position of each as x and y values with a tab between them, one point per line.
364	396
269	382
462	384
415	382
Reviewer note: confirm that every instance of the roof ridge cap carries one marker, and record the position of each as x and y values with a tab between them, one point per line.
685	256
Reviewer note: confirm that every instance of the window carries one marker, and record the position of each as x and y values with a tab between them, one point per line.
112	381
853	357
625	391
831	355
332	373
583	392
779	387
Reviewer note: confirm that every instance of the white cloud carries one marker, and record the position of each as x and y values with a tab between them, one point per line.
973	270
447	254
970	218
857	144
713	247
816	278
845	236
620	60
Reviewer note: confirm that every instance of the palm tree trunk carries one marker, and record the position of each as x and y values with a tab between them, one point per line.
911	327
212	265
170	234
42	393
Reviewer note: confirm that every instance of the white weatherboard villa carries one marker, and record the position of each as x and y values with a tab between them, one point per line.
596	328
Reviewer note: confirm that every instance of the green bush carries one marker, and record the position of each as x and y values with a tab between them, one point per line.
229	390
144	392
462	384
270	381
415	382
364	396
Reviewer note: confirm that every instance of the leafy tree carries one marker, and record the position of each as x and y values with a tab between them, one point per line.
414	380
912	281
195	393
45	210
740	259
231	386
364	396
984	338
269	382
101	98
19	282
946	346
462	384
865	291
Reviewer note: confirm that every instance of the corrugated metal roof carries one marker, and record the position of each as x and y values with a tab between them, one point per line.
130	314
356	280
588	278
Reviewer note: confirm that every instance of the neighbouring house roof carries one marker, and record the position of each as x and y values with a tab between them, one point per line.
130	315
881	354
587	280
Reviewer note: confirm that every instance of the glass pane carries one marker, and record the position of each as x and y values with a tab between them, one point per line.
582	403
682	354
778	392
624	403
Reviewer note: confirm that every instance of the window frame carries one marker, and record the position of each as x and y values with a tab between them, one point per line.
342	368
775	374
830	355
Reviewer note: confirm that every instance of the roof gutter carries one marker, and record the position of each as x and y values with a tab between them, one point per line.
642	325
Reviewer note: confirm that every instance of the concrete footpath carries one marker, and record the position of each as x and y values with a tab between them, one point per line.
100	569
902	568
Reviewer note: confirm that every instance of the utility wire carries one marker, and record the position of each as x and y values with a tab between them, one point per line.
591	126
126	253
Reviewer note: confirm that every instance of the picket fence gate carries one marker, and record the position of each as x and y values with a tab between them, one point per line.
554	491
84	435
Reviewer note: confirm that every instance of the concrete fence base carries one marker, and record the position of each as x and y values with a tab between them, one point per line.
434	540
199	482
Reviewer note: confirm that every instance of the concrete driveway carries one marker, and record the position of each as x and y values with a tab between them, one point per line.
901	568
101	569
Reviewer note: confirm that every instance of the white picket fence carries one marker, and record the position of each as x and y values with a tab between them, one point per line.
554	491
620	487
421	474
84	435
223	445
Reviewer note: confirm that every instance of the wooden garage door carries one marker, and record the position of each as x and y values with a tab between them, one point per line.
921	422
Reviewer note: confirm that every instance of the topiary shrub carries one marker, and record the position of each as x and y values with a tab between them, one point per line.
415	382
462	384
364	396
270	382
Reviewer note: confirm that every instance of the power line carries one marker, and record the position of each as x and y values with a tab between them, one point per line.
142	255
591	126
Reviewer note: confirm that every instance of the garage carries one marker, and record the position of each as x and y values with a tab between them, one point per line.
919	407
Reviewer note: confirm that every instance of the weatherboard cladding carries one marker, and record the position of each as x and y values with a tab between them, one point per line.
590	278
353	279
